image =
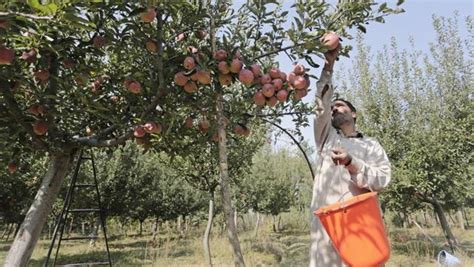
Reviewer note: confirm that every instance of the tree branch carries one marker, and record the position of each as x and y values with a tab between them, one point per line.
161	83
297	143
30	16
277	51
94	141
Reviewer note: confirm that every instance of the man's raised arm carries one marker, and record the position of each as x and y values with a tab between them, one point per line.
324	93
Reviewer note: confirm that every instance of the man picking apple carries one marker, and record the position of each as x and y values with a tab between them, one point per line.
348	163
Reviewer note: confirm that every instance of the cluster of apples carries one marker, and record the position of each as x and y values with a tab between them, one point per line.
272	87
40	127
275	86
141	131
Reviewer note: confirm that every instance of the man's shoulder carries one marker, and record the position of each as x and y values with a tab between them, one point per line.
370	140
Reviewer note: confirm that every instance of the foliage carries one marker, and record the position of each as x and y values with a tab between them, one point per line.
419	106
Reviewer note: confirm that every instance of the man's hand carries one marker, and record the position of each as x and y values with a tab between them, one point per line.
340	156
331	57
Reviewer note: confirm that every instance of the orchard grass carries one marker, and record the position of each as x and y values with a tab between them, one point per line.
289	247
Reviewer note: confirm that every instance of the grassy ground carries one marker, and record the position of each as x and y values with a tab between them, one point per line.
410	247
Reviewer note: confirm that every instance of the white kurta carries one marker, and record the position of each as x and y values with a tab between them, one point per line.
334	182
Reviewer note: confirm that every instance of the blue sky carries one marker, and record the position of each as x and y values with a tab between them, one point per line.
415	22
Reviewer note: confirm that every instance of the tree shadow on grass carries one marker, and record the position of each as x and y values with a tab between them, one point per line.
133	257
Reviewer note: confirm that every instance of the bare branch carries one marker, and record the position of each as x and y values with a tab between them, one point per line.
94	141
30	16
297	143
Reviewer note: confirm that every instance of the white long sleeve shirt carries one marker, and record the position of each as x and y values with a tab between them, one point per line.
370	167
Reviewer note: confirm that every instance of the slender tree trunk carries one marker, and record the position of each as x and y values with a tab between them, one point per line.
236	219
5	231
225	185
460	219
35	219
256	225
279	223
453	221
274	223
223	164
69	230
155	230
95	232
205	240
83	228
10	230
141	228
186	223
465	217
444	224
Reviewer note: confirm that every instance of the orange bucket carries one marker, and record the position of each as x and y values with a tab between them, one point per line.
356	229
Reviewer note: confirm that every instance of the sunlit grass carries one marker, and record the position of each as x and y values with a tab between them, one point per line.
410	247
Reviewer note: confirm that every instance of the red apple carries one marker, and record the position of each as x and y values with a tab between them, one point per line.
134	87
282	95
151	46
330	40
180	78
223	67
12	167
40	127
139	131
189	122
98	41
148	16
189	63
6	56
152	127
29	56
259	99
236	65
41	75
190	87
220	55
225	79
246	77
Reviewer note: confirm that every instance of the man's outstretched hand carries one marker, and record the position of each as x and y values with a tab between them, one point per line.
331	57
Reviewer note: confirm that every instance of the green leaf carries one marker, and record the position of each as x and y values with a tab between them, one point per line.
47	9
382	7
380	19
362	29
400	2
311	62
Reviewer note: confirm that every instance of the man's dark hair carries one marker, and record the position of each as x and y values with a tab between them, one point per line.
349	104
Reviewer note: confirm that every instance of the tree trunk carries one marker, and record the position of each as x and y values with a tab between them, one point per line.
95	232
5	231
256	225
70	227
444	224
186	223
465	217
155	230
279	223
460	219
225	185
236	219
274	224
10	230
141	228
35	219
205	241
83	228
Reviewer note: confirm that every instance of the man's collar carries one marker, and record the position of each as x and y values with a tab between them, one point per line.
356	135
